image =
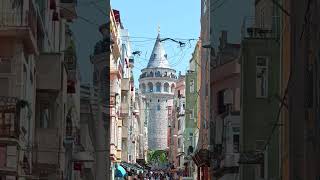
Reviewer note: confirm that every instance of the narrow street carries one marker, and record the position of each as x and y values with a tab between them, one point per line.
159	90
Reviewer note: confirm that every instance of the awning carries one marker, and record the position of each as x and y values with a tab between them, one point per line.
201	157
134	167
120	171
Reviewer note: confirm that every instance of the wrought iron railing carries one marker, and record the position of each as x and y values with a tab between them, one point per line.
251	29
19	18
9	116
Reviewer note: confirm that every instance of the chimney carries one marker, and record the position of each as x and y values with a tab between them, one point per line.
223	39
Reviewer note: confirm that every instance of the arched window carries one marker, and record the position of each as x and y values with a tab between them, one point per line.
158	87
150	87
166	87
157	74
151	74
165	74
158	107
172	88
143	87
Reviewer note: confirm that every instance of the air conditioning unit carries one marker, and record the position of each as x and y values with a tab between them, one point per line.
228	97
259	145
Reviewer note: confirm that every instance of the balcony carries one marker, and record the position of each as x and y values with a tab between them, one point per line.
251	28
125	85
124	132
49	67
47	146
68	9
9	121
20	24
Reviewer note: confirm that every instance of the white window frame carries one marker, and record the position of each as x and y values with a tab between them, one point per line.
192	114
265	95
191	86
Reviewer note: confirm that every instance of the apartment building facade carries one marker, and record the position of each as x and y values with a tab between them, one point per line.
32	56
225	103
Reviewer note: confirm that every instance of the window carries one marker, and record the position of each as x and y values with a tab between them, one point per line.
236	147
262	16
11	156
157	74
44	118
143	88
179	95
3	157
172	88
179	124
192	114
158	87
220	101
150	86
158	107
261	77
204	10
191	86
179	142
151	74
5	65
166	87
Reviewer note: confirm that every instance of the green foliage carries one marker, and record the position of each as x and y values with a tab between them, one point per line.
157	156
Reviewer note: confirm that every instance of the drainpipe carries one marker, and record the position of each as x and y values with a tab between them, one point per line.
101	148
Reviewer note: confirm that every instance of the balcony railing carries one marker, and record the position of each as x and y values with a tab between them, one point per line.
9	117
19	23
47	146
250	29
68	9
9	124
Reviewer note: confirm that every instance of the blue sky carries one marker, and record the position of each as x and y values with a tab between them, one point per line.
176	18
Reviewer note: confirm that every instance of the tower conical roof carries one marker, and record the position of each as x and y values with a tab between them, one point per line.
158	56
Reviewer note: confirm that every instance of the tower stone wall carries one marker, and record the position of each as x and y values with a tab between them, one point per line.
157	83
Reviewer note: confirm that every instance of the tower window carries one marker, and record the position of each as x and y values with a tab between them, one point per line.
158	107
166	87
158	87
158	100
150	85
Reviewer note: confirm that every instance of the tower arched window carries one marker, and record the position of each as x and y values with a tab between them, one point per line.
157	74
158	87
158	107
166	87
172	88
143	86
151	74
150	86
